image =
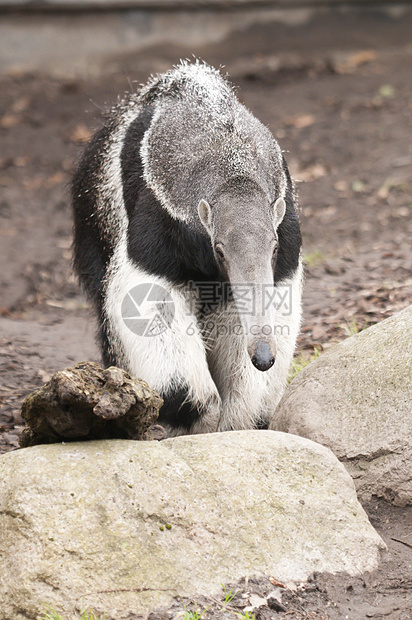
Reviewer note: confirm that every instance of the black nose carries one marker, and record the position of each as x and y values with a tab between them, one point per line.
263	358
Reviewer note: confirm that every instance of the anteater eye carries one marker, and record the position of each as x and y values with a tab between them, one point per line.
275	251
219	253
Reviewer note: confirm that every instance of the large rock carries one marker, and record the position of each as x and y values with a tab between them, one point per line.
357	400
123	526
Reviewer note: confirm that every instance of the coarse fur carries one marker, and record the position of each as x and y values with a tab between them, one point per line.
180	168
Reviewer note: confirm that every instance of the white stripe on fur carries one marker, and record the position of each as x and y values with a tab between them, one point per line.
172	359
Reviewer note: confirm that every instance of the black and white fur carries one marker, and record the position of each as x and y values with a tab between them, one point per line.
184	184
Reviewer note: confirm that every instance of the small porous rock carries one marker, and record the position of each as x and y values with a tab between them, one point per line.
89	402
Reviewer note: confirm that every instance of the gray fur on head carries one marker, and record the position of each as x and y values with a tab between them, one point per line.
231	143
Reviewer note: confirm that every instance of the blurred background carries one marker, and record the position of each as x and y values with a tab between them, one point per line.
331	79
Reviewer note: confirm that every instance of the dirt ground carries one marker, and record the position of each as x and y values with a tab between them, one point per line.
338	97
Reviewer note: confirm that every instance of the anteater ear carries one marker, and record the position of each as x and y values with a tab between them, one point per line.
205	214
279	209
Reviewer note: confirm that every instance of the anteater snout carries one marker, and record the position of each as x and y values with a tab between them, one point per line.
262	356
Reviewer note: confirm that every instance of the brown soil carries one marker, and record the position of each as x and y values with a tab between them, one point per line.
341	108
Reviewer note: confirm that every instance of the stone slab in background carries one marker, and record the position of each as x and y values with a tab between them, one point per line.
123	526
99	40
66	5
357	399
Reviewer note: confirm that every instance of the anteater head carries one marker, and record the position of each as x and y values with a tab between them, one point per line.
242	223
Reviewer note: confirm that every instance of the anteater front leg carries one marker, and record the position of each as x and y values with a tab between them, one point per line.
153	333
